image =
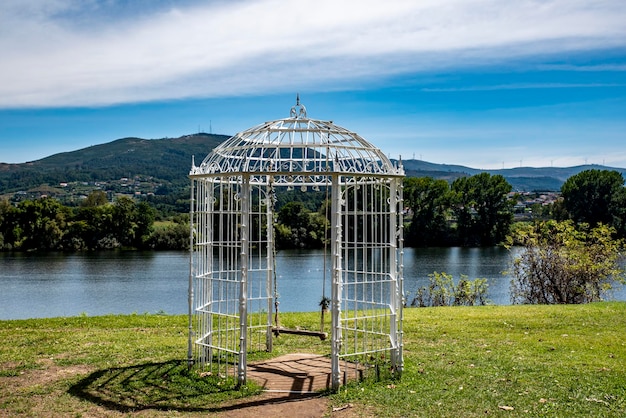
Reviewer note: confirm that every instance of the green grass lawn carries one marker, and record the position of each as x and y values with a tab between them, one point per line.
459	361
537	360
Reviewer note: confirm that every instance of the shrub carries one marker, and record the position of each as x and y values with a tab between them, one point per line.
442	291
560	263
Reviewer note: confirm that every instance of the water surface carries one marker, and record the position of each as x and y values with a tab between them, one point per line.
57	284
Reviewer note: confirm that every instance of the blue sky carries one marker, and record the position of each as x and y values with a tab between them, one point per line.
481	83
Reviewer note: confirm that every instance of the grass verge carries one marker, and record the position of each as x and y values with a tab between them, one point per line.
565	360
459	361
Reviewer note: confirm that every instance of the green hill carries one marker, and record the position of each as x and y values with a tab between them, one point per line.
165	161
163	164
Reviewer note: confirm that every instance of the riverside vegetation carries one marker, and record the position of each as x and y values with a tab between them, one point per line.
521	360
470	211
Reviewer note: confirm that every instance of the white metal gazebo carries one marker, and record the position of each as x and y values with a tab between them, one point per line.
232	274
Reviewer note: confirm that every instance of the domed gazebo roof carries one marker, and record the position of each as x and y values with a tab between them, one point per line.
297	145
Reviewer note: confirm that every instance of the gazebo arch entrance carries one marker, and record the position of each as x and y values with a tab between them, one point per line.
232	274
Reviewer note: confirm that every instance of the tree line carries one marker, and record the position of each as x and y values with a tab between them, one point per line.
478	210
471	211
47	225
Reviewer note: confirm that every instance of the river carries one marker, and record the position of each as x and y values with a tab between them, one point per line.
57	284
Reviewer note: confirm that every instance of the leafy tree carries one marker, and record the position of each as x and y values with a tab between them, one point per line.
429	201
43	223
144	219
594	197
77	236
132	223
560	264
172	237
95	198
6	225
124	220
558	211
298	227
283	236
92	228
484	212
618	210
1	225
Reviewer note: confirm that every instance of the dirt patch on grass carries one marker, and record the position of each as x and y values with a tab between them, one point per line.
271	404
45	374
43	392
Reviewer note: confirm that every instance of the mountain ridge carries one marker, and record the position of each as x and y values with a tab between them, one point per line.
168	160
521	178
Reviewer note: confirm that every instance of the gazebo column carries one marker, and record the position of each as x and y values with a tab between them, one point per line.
190	295
269	259
400	272
243	281
336	289
395	292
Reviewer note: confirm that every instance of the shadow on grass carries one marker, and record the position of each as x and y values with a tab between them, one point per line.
166	386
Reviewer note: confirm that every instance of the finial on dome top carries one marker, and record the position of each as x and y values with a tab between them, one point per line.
298	111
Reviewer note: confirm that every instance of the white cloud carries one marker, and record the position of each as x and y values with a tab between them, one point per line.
68	52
